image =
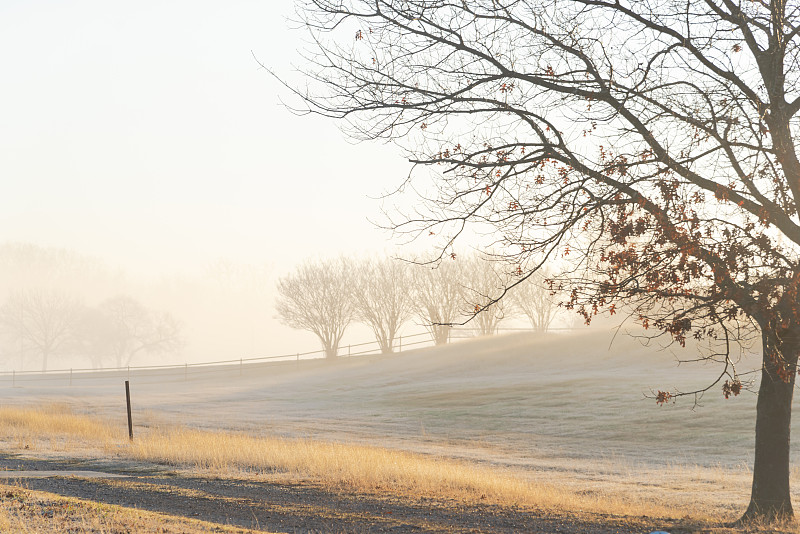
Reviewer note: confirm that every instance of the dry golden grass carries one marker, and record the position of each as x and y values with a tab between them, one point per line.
345	466
56	425
37	512
369	469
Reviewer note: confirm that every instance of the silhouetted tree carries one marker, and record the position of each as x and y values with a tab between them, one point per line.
483	280
317	297
439	296
652	144
382	297
535	300
43	320
134	329
93	336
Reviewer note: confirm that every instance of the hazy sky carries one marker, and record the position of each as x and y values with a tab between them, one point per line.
146	133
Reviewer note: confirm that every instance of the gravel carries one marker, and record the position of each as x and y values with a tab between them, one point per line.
298	507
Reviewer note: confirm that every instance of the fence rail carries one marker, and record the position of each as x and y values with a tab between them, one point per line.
402	343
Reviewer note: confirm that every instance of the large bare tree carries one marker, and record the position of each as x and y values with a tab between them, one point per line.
382	297
316	297
651	144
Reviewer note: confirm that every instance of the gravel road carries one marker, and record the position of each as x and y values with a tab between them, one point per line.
298	507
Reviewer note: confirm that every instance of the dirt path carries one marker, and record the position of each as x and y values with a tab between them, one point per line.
296	508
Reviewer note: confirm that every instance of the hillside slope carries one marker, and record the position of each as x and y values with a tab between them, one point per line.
521	396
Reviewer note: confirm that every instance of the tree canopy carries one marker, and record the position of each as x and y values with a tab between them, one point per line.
648	143
316	297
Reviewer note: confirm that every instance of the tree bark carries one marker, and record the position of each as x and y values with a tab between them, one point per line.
770	498
386	345
441	334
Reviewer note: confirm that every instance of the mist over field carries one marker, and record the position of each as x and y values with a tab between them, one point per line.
224	313
60	309
575	400
542	243
525	396
576	406
576	393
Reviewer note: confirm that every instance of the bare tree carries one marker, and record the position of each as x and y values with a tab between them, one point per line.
484	280
439	297
93	336
317	297
650	144
535	300
134	329
382	297
41	320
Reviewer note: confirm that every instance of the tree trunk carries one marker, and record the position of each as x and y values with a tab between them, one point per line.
386	345
441	333
770	498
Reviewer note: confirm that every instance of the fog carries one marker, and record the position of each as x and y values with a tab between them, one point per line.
225	313
156	189
60	309
572	407
151	145
152	138
148	155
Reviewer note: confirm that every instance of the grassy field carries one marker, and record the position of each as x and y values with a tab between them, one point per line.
521	396
55	431
554	421
361	468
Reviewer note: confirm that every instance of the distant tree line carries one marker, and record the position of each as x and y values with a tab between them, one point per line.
325	296
44	317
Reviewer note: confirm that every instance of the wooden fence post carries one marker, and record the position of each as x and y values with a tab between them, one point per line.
128	401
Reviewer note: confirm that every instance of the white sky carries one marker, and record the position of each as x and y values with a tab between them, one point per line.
145	133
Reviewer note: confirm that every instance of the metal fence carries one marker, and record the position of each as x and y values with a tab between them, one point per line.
402	343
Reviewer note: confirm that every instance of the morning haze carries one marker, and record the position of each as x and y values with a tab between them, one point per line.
395	266
153	142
